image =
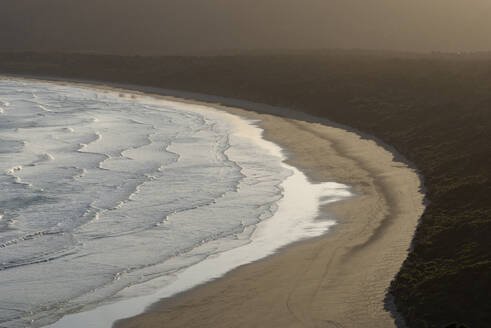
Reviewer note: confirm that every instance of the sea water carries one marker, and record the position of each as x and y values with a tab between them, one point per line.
110	201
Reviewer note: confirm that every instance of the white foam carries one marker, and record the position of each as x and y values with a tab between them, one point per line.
44	108
294	220
14	169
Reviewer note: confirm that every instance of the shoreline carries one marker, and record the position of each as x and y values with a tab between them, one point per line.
339	279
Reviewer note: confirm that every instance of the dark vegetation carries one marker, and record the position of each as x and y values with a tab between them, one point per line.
434	109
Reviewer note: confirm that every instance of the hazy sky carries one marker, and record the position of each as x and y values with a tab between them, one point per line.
192	26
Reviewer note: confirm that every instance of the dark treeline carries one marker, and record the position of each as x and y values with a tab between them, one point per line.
434	109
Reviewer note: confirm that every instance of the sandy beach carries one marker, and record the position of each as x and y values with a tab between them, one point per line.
338	280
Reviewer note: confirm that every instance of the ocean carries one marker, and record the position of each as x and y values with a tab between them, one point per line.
108	197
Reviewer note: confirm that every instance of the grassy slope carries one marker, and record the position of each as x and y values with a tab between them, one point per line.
434	110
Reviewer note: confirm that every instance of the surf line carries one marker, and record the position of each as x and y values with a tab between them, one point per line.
293	220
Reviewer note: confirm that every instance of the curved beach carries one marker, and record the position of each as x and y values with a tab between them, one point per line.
337	280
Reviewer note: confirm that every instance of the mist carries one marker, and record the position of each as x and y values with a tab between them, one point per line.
214	26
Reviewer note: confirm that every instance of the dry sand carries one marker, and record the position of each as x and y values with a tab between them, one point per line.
338	280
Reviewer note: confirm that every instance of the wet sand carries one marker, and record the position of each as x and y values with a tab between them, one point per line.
338	280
